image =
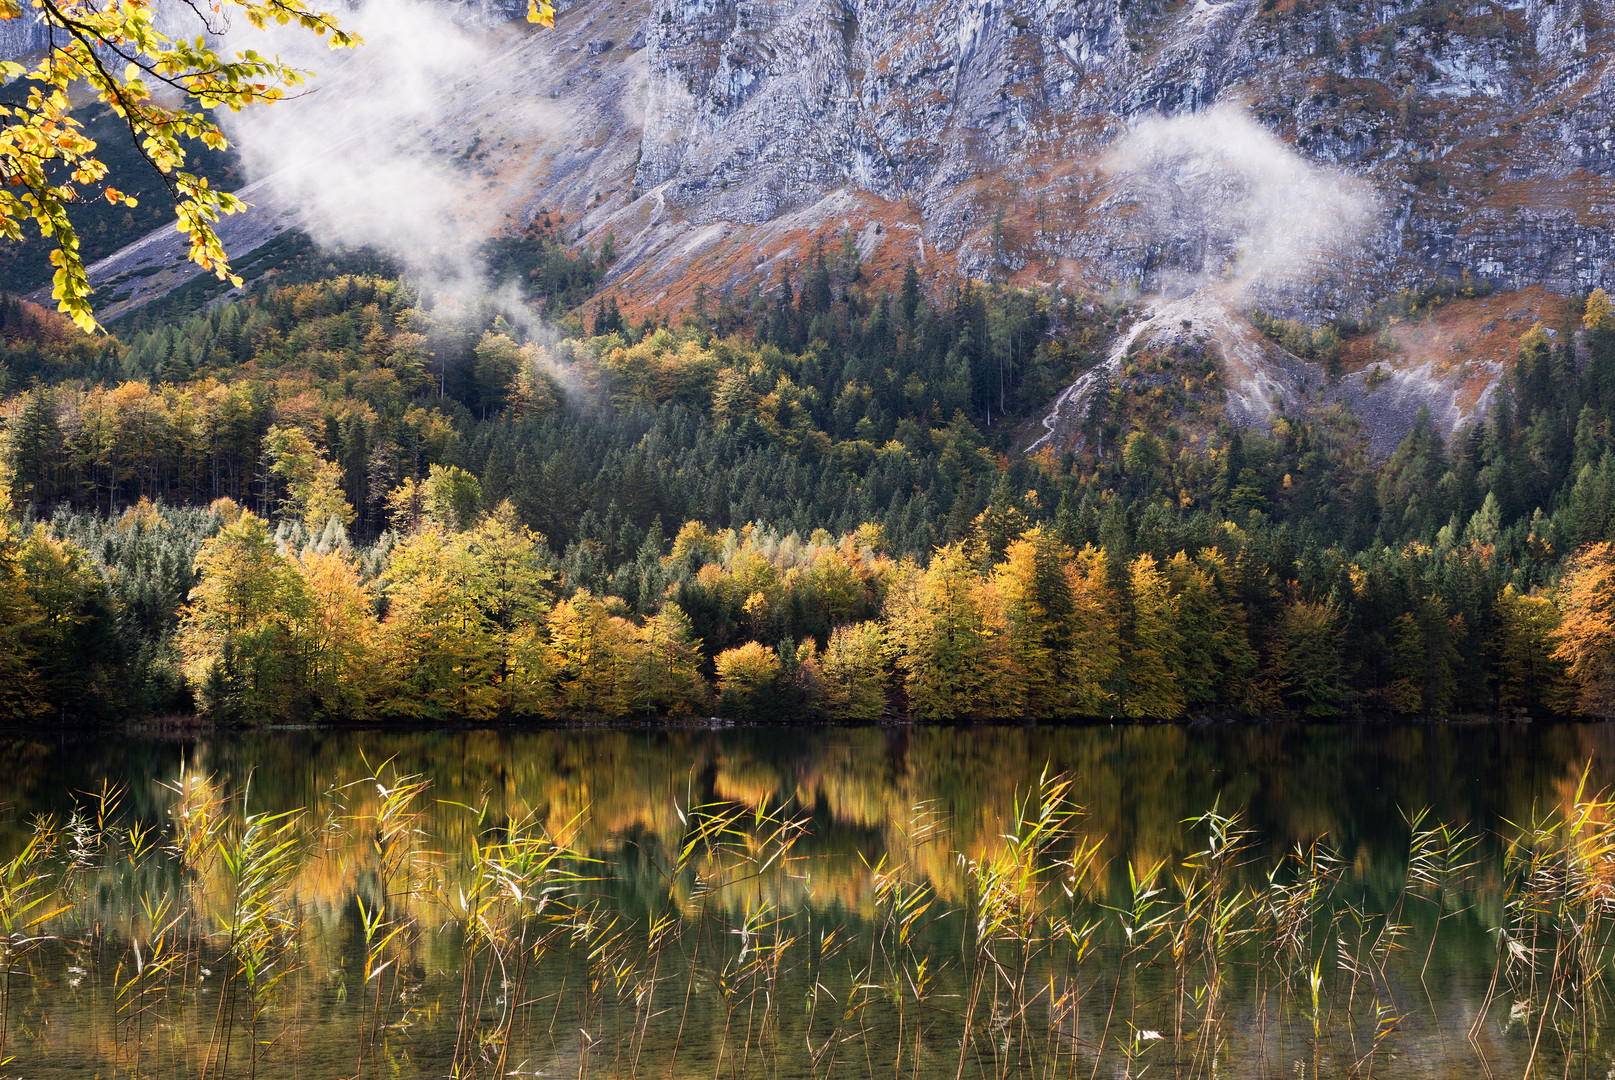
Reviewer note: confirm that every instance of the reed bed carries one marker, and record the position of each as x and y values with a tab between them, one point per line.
379	932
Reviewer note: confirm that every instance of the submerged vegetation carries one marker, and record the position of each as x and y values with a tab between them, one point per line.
333	499
229	935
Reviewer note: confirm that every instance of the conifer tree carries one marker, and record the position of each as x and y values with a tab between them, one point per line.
1307	667
1526	675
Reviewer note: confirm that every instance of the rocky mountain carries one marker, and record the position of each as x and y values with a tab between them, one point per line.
1124	146
1482	129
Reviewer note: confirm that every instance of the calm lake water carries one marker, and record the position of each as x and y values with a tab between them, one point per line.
1263	900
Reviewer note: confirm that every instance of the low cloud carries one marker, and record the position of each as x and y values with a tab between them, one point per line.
1217	200
377	152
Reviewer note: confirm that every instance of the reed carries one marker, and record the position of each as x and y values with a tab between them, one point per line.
465	943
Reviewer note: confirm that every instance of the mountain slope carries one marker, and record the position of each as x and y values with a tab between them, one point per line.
1310	158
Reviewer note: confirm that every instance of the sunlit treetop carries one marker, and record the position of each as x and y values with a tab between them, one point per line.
162	88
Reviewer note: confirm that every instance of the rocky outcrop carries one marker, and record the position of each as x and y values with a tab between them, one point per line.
975	134
714	139
1485	129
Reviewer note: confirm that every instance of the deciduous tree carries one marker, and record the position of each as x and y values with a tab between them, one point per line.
1152	647
1585	637
1525	673
237	636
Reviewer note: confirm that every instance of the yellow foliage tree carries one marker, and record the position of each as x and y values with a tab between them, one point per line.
853	671
313	483
443	655
748	680
337	635
1152	651
163	89
666	665
952	639
590	657
1600	315
1062	637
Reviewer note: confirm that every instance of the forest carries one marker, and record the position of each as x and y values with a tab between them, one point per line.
334	498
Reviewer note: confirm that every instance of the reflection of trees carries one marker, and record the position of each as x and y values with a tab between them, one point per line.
850	808
622	790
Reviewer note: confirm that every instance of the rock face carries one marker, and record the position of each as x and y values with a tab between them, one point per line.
716	139
975	133
1485	129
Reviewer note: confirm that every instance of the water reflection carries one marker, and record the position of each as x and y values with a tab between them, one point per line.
813	902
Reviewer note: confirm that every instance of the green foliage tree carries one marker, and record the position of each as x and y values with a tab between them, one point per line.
1306	664
21	695
1218	666
237	636
1527	676
1151	647
498	362
73	608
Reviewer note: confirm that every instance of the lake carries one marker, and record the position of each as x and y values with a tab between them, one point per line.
1217	900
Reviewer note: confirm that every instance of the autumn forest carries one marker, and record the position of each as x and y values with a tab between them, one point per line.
333	498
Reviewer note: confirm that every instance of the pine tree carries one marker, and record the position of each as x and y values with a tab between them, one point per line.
1526	676
36	450
1307	667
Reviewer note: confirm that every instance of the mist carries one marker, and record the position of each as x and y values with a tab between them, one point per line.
379	149
1220	202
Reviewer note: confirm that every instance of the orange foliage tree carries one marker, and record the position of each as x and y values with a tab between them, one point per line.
1585	637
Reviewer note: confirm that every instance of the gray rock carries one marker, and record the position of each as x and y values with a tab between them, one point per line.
1488	148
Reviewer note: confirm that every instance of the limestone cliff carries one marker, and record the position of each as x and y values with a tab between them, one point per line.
716	138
